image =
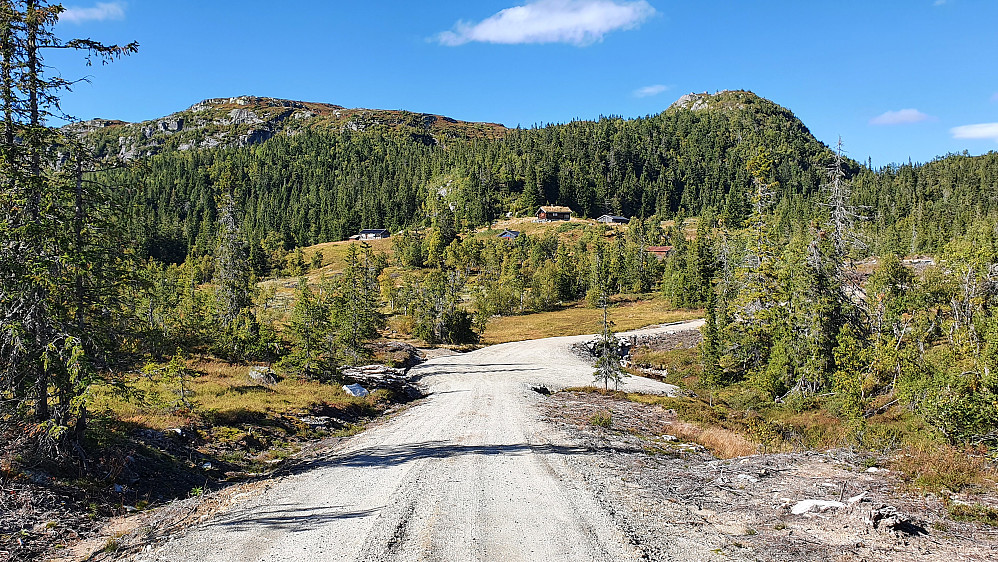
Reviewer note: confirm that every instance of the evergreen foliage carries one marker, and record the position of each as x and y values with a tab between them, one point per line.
61	313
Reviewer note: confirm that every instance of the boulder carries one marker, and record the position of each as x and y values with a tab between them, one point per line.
398	354
262	375
355	390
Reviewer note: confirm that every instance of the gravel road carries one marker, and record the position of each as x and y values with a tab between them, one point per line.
470	473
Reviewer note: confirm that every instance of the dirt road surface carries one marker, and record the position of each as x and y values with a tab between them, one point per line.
470	473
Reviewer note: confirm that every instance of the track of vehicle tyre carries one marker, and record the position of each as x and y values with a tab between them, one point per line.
472	472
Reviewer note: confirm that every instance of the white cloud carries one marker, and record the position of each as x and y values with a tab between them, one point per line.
577	22
978	131
900	117
648	91
100	12
939	2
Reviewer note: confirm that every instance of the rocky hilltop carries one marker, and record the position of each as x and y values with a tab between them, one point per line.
722	100
246	120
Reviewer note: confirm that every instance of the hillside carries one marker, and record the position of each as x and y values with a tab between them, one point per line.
310	173
245	120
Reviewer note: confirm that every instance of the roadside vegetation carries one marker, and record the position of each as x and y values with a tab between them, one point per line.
136	297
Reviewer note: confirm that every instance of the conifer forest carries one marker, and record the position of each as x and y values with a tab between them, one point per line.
831	290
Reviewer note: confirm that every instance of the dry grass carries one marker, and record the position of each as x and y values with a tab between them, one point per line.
567	230
578	320
723	443
333	262
938	467
219	391
687	419
334	253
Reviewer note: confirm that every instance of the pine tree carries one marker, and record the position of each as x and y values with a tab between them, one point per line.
355	311
313	351
59	266
233	276
607	365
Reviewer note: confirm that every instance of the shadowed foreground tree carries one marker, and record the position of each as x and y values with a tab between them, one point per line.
60	268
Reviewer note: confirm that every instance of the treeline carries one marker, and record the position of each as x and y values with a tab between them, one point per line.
922	208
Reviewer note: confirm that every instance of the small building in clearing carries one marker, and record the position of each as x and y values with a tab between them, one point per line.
660	252
613	219
372	234
509	234
554	213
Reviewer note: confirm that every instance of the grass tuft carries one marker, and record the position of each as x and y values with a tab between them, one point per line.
602	419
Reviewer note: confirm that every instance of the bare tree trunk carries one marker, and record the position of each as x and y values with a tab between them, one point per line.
7	62
42	412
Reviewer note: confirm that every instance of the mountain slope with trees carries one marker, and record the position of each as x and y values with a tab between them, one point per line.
325	181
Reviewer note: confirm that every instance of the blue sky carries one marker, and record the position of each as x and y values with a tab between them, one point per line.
897	79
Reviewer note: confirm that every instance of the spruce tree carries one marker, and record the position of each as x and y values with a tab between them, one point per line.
607	365
59	264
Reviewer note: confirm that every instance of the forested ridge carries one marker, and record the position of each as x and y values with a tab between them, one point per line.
141	261
324	182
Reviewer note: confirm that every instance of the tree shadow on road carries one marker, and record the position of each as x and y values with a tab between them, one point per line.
289	517
386	456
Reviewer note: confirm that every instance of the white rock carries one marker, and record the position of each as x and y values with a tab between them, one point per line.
805	506
355	390
855	499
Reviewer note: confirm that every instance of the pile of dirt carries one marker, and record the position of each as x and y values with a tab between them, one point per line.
396	354
685	339
797	506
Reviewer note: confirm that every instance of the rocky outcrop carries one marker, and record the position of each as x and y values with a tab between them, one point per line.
701	102
382	376
246	120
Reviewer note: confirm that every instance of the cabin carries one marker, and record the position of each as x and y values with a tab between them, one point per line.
508	234
372	234
660	252
613	219
554	213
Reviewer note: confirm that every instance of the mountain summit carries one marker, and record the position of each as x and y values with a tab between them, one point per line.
245	120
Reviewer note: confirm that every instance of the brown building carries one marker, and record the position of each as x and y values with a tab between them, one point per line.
554	213
660	252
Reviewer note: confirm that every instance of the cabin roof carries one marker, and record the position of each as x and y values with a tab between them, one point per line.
555	209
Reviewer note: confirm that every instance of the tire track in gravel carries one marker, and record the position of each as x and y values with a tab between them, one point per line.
470	473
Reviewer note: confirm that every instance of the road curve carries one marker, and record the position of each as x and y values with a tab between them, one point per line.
470	473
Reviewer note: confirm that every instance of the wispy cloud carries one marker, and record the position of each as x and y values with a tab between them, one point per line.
100	12
649	91
978	131
900	117
939	2
576	22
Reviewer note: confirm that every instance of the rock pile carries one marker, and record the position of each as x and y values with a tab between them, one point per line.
382	376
